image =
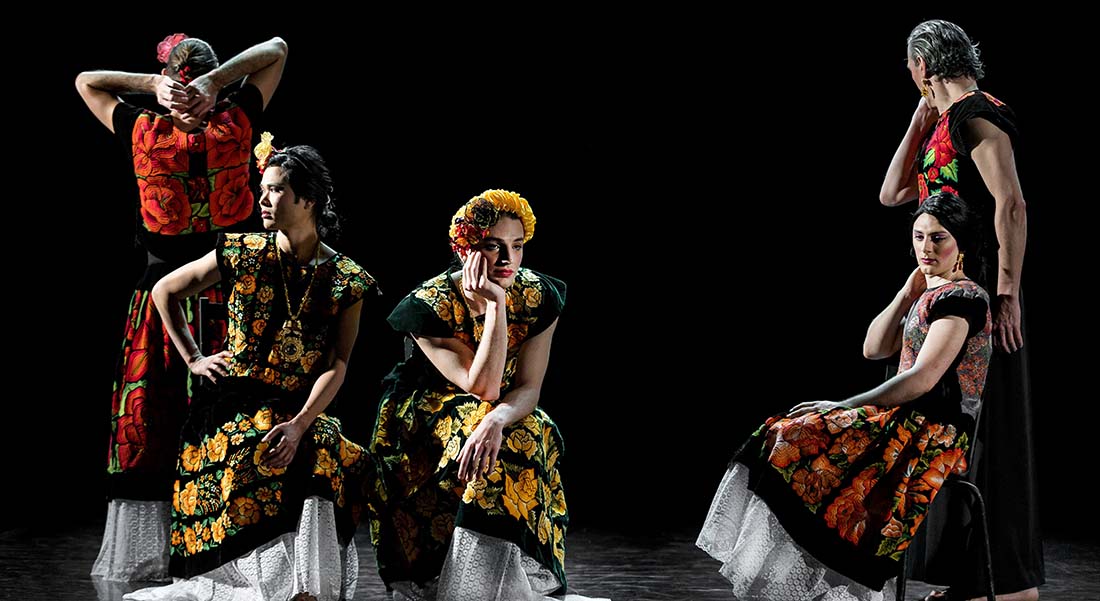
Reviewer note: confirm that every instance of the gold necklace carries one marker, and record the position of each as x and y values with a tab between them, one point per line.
288	341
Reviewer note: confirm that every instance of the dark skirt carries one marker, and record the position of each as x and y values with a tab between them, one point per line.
227	501
152	391
1004	468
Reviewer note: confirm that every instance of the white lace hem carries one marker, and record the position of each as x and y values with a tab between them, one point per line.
486	568
761	560
309	560
135	542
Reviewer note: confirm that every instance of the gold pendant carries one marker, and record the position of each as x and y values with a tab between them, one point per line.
288	343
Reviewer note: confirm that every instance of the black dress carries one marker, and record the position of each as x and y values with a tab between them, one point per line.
1003	465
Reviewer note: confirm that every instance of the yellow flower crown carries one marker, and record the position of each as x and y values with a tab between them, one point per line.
472	221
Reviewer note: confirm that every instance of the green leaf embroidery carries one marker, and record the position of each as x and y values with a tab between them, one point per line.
929	157
786	472
887	546
950	171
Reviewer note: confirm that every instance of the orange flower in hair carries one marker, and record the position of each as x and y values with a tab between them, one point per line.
470	224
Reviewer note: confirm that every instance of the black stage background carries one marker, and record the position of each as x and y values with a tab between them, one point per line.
707	185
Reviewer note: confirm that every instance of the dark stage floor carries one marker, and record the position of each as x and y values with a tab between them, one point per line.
54	567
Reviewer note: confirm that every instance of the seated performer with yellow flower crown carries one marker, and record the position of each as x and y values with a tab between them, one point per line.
267	493
468	501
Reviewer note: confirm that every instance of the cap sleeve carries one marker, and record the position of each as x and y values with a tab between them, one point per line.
966	300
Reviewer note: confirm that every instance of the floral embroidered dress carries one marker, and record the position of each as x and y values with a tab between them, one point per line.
831	500
1006	436
190	185
944	162
417	502
226	501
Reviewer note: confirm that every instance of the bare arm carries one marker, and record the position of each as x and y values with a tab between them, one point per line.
900	184
479	455
261	65
478	373
946	337
288	435
533	359
100	90
991	151
169	292
884	334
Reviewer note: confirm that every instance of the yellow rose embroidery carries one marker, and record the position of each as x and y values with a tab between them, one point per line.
217	531
265	294
474	418
189	498
450	452
245	511
443	429
246	284
349	453
325	465
192	456
519	495
191	540
544	528
557	505
521	441
216	447
309	359
559	544
227	483
475	489
262	419
532	297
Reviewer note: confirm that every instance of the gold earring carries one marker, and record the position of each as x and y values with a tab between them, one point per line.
926	89
958	263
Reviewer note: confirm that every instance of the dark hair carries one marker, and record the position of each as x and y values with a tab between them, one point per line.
965	225
310	179
946	49
193	54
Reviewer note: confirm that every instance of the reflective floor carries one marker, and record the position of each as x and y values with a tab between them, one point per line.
54	566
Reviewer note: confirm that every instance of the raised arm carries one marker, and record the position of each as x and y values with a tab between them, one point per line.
261	65
477	372
169	292
900	184
991	150
884	334
100	90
